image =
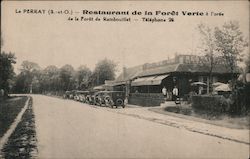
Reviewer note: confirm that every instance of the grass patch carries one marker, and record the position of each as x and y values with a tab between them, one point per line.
9	109
22	142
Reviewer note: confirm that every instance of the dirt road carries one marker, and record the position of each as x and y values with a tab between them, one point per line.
68	129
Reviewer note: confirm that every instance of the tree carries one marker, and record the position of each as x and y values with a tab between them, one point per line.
19	86
50	79
6	70
209	49
82	77
28	66
104	70
66	77
230	43
248	63
51	70
28	79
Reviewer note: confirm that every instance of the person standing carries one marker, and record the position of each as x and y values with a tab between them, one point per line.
175	93
164	92
200	90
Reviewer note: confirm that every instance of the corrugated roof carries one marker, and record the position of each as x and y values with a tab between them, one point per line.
201	68
193	68
152	80
138	71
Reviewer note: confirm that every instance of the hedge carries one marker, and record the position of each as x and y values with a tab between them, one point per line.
146	99
211	103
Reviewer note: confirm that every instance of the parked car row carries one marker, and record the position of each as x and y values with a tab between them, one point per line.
100	98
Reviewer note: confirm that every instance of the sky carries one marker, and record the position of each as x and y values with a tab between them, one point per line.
53	40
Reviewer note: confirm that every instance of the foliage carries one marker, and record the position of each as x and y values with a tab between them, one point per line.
57	80
235	103
247	62
223	45
66	77
208	43
230	43
6	70
212	104
50	79
28	66
104	70
240	100
82	77
209	48
28	77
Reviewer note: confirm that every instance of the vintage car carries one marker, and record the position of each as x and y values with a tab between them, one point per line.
77	95
76	98
100	98
115	98
82	95
71	94
90	97
67	95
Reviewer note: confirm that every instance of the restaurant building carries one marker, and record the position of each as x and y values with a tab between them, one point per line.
143	84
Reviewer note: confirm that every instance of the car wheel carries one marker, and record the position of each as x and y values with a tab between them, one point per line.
119	102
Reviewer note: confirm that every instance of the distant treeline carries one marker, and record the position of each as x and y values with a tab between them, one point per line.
33	79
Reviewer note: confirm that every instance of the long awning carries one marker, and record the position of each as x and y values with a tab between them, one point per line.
118	83
152	80
100	87
114	83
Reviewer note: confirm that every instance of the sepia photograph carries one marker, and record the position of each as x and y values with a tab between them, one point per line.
124	79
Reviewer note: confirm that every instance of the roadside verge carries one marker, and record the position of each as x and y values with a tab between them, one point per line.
236	135
13	126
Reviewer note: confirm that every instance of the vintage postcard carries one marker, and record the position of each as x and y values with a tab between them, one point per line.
124	79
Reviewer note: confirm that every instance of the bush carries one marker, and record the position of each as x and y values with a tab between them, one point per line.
240	98
211	103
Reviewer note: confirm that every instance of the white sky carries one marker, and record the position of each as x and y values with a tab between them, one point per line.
52	40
